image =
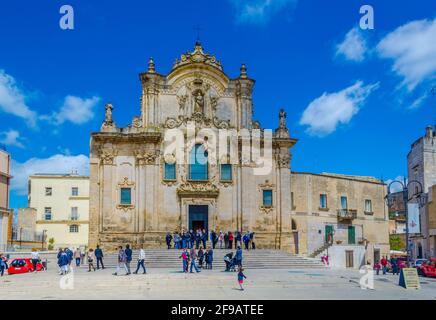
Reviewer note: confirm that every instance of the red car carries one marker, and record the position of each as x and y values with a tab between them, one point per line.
428	268
23	265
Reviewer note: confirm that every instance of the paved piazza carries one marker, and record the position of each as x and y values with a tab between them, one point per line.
216	284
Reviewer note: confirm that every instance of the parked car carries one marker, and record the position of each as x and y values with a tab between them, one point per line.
417	262
428	268
23	265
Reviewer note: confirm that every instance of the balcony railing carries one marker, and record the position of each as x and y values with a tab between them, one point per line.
347	214
74	217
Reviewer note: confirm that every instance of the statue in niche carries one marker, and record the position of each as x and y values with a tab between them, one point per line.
198	101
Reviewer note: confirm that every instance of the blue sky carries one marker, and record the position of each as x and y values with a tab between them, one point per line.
356	99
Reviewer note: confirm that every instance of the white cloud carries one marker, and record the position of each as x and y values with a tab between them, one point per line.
13	100
353	47
325	113
412	47
75	110
259	11
58	163
12	138
418	102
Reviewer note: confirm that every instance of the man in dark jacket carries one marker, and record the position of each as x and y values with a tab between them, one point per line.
213	238
204	238
99	256
168	239
128	253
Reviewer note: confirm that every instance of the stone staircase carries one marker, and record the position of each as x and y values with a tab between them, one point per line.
253	259
320	250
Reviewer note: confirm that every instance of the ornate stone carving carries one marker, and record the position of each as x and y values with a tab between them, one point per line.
182	99
198	189
199	119
214	102
145	157
126	183
197	56
137	122
107	155
283	161
198	96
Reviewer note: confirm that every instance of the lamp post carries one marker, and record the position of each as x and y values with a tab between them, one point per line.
419	196
43	239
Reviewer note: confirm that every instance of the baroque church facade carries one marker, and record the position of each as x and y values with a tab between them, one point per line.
137	195
138	192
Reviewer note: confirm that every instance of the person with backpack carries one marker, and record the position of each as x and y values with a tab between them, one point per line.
193	256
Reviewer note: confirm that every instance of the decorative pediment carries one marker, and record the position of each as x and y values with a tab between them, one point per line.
197	56
145	157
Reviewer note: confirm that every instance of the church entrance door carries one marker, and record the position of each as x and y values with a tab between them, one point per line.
198	217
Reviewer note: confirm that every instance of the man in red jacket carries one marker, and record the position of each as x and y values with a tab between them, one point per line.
384	264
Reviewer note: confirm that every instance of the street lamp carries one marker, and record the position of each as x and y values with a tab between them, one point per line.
418	195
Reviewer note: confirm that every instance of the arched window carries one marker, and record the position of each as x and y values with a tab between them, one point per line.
198	168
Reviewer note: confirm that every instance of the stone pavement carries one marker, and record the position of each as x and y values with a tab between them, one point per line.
209	284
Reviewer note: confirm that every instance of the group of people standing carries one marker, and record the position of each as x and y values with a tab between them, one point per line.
384	264
66	256
222	240
196	259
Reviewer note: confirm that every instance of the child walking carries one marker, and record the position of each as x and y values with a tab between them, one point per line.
241	277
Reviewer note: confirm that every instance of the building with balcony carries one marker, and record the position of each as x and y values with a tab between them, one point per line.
346	215
6	214
61	202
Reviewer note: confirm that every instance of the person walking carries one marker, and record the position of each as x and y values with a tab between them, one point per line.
35	259
394	264
63	262
193	256
99	257
3	264
241	277
384	265
230	240
141	260
238	257
185	260
209	259
77	257
377	267
90	259
129	253
168	239
121	261
221	239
